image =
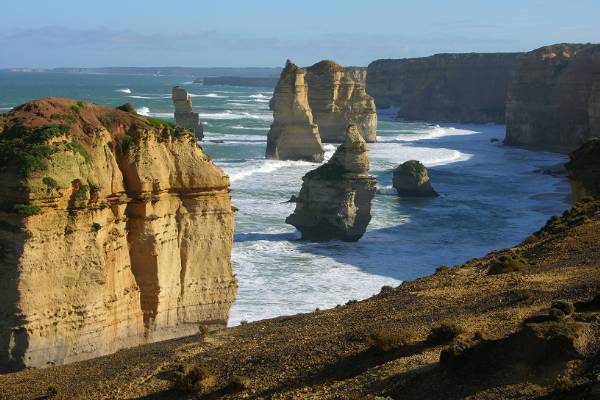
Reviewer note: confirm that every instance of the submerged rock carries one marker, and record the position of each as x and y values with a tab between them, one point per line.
293	135
114	231
184	116
335	199
412	180
337	98
584	171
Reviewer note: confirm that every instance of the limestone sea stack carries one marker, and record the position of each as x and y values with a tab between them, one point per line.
335	199
412	180
293	135
338	98
584	171
114	231
554	100
467	87
185	117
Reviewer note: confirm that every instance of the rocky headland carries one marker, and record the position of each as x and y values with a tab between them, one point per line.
185	117
554	100
337	97
412	180
115	230
335	199
468	87
584	171
293	135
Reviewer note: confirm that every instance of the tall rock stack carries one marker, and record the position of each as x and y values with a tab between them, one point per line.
113	232
412	180
337	98
293	135
335	199
184	116
554	99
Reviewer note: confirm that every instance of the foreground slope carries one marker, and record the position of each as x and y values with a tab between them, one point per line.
332	354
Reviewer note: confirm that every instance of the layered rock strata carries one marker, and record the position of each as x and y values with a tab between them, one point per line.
554	99
444	87
185	117
584	171
293	135
335	199
114	231
412	180
337	98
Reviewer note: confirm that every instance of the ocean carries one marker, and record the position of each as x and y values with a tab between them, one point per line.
491	196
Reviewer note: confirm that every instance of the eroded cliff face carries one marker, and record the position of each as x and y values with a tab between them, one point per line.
335	199
554	99
185	117
293	135
584	171
115	230
444	87
337	98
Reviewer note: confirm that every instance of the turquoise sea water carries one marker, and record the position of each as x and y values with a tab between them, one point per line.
491	196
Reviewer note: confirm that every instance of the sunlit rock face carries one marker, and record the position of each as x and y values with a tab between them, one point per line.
185	117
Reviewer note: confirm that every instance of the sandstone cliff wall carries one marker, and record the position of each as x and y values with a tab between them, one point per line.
584	171
444	87
554	99
114	231
337	98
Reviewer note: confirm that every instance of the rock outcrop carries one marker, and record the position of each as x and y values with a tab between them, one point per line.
584	171
184	116
554	99
335	199
337	98
293	135
412	180
444	87
114	231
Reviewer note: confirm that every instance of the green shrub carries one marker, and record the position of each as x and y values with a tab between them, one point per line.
64	117
563	305
75	109
555	314
157	123
96	227
81	104
387	341
78	148
441	268
444	333
508	263
125	143
240	383
193	379
52	391
103	205
50	182
353	301
27	209
107	121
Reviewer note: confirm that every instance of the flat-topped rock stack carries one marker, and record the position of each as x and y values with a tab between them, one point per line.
185	117
293	135
114	231
335	199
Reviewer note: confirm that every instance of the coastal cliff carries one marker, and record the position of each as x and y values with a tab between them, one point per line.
584	171
335	199
554	99
293	135
444	87
115	230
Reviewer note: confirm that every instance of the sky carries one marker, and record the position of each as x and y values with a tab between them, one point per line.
264	33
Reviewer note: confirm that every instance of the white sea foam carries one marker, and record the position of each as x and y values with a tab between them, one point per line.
124	90
263	167
211	95
232	138
143	111
259	96
433	133
228	114
250	128
6	108
150	97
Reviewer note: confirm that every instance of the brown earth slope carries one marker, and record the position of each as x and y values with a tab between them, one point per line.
380	346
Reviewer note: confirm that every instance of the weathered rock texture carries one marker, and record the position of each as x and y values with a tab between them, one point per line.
293	135
554	99
337	98
335	199
584	171
114	231
184	116
444	87
412	180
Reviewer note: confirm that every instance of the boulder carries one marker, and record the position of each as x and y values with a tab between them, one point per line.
185	117
335	199
114	231
584	171
554	99
337	98
412	180
293	135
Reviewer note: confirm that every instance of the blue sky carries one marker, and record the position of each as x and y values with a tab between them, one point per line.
43	33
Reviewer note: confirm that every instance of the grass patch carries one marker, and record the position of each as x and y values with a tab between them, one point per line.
107	121
387	341
508	263
78	148
157	122
27	209
444	333
75	109
50	182
64	117
563	305
192	379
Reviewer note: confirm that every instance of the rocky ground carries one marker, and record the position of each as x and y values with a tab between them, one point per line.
501	338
